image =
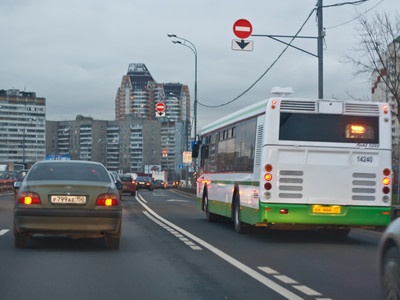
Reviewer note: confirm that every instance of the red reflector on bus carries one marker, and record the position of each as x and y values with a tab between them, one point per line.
283	211
267	186
386	190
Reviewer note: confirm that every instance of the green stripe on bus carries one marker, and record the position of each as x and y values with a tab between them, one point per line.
302	214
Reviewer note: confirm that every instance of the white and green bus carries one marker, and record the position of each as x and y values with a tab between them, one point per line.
290	163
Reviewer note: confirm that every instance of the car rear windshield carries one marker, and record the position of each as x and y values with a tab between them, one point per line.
143	179
69	171
125	178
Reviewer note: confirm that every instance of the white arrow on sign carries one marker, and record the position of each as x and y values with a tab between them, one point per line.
242	45
160	114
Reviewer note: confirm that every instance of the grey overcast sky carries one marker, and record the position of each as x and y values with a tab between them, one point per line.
75	52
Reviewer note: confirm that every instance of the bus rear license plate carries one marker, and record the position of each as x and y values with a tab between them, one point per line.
325	209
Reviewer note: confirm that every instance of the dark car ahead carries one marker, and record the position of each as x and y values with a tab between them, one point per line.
144	182
159	184
128	184
68	198
389	261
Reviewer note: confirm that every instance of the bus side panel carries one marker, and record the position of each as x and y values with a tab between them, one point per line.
220	194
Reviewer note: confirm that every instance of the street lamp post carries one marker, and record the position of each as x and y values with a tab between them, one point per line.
192	47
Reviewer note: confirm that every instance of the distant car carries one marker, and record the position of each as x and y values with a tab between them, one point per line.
19	177
389	261
128	184
7	179
172	184
68	198
159	184
144	182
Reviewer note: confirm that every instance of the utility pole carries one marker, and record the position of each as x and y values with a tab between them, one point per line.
321	35
320	41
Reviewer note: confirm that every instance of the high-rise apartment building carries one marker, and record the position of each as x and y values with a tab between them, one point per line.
137	97
126	145
139	93
22	127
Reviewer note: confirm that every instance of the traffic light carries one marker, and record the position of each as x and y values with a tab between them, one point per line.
195	149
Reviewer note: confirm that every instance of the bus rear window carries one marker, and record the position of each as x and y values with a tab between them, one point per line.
329	128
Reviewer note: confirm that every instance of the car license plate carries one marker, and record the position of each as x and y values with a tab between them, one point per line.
326	209
67	199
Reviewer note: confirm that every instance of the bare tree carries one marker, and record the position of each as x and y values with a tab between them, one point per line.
379	53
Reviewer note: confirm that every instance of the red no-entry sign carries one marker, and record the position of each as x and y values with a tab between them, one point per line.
160	107
242	28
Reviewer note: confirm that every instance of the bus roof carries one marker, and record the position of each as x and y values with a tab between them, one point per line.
259	108
247	112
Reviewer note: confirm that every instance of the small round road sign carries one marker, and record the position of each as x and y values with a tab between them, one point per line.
242	28
160	107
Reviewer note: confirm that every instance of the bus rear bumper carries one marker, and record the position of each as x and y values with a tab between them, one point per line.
353	216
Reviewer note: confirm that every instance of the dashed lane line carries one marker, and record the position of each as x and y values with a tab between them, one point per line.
4	231
278	288
289	281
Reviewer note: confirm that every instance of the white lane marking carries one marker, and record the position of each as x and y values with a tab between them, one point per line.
268	270
4	231
174	232
306	290
287	280
234	262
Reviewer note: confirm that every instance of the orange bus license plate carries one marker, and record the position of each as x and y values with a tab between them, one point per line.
325	209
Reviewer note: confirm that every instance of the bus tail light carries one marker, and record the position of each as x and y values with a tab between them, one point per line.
205	181
268	176
268	168
386	181
385	109
273	103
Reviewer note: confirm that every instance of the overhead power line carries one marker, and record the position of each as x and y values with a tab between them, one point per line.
268	69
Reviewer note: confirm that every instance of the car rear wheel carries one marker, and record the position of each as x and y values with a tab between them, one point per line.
112	241
21	240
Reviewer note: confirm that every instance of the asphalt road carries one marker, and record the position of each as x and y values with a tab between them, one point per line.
169	251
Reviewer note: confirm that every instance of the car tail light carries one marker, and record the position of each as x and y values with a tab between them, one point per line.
29	198
107	200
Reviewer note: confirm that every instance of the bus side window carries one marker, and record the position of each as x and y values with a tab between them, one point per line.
204	154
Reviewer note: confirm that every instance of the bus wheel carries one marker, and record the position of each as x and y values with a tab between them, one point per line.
209	216
240	227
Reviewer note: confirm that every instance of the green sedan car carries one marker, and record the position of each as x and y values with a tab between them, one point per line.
68	198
